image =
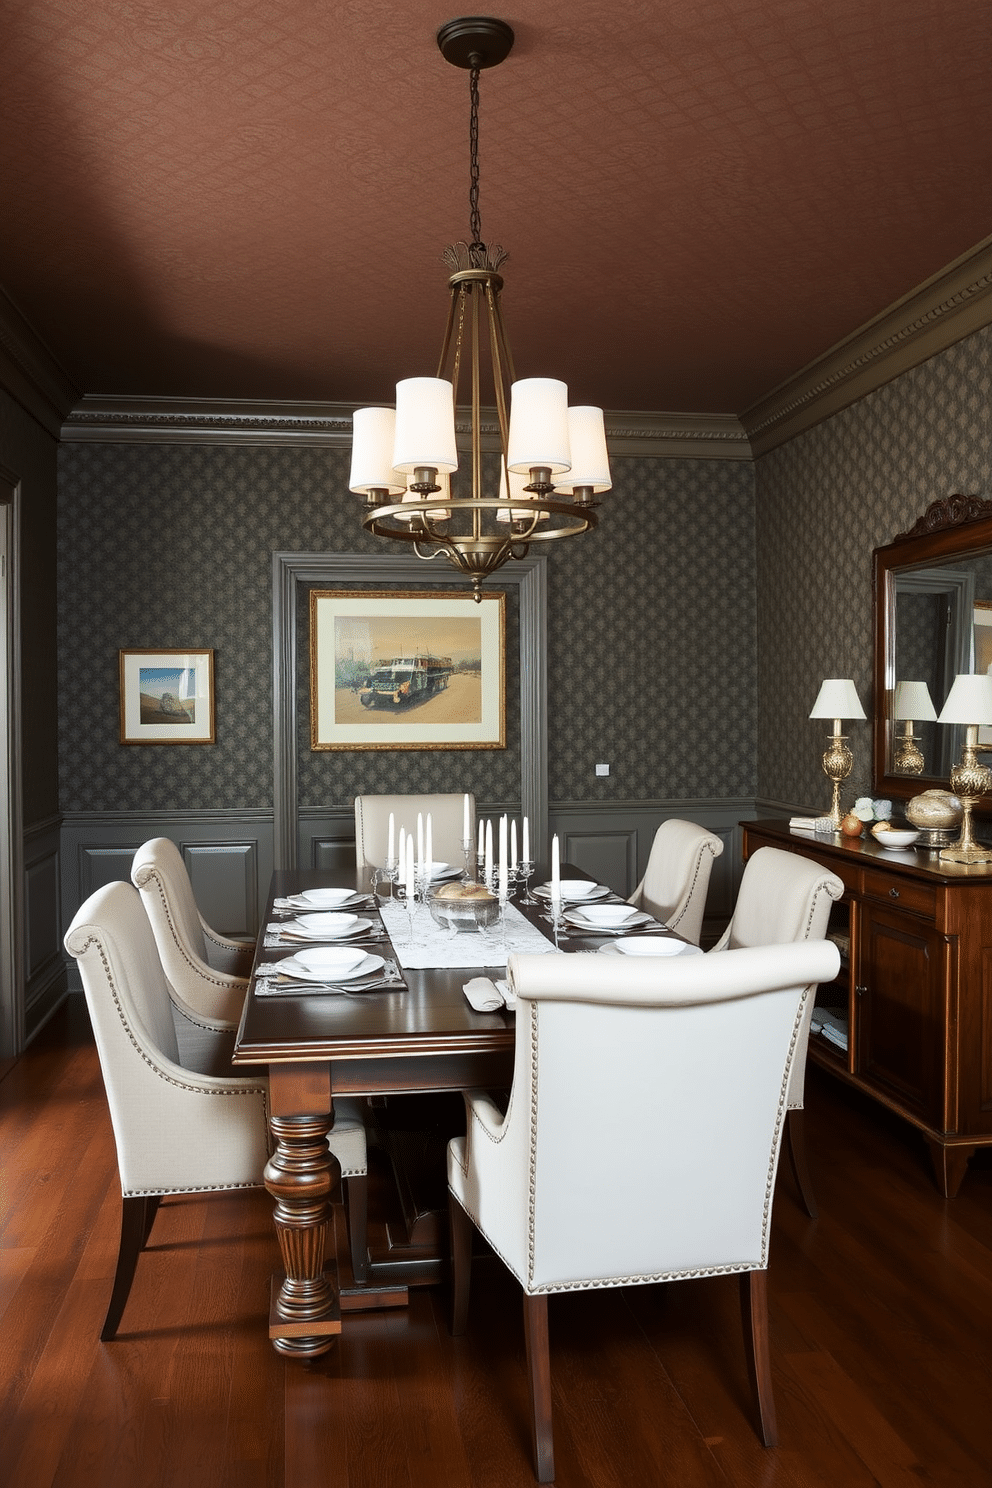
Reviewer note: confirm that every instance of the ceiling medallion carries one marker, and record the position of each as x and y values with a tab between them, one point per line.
553	461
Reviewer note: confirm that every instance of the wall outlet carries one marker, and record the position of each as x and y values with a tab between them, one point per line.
602	769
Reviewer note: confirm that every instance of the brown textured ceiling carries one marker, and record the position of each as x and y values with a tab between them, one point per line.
248	198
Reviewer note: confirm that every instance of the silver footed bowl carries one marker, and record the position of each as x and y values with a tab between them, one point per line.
462	914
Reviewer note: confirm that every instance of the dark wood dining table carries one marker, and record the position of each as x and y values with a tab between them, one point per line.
423	1037
420	1038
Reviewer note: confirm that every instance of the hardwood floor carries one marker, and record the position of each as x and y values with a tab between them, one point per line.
881	1322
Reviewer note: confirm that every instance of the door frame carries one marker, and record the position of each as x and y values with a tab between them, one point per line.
12	1010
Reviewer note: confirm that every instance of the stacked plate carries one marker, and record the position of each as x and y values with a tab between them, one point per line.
648	945
607	919
325	899
575	890
334	926
329	964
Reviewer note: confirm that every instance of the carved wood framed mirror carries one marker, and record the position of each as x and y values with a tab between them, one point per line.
933	619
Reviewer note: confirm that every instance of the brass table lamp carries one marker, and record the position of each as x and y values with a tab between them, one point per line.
911	701
969	702
837	699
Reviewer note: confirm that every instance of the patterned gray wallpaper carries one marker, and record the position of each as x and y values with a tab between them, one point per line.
651	629
823	502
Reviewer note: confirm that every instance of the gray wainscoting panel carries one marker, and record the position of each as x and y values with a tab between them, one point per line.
225	883
228	856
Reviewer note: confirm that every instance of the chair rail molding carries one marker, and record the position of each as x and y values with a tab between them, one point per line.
291	570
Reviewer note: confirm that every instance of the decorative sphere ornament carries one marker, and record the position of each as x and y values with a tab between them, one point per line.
852	826
934	809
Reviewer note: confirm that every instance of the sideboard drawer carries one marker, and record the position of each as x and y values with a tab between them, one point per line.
907	893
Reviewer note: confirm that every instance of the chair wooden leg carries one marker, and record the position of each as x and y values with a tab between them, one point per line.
754	1310
358	1226
795	1131
137	1215
539	1376
462	1233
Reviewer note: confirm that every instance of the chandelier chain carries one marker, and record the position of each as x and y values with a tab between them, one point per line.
475	218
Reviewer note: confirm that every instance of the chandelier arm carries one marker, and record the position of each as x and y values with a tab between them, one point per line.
502	340
476	409
449	332
497	340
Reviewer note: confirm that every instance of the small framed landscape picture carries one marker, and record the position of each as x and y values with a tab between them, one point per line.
167	697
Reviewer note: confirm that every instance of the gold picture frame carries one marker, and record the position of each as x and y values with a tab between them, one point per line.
167	697
407	669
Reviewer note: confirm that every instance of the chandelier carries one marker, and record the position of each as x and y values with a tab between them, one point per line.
552	459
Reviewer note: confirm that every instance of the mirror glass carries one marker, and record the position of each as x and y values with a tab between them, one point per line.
933	600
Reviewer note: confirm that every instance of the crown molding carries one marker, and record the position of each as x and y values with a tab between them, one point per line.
929	319
117	420
937	314
29	372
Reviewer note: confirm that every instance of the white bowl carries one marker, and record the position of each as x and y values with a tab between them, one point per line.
438	868
327	924
326	898
329	958
578	888
650	945
893	839
607	914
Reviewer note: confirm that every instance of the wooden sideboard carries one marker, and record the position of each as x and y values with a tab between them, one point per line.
915	986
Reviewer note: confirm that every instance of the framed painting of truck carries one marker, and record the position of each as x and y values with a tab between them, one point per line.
403	669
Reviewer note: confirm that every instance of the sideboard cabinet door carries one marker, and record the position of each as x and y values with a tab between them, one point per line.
902	963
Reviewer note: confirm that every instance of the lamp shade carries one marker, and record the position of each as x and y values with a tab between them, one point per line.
587	441
912	700
425	425
969	700
373	434
538	426
837	698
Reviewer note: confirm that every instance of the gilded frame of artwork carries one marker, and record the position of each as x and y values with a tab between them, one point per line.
407	669
167	697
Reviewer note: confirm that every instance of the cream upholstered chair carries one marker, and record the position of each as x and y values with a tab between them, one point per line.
784	897
671	1076
447	824
207	973
178	1129
677	876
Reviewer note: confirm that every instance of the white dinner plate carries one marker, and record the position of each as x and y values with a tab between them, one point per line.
311	932
647	946
299	972
579	918
599	892
326	900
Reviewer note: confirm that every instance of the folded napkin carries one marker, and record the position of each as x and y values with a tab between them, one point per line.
810	824
485	995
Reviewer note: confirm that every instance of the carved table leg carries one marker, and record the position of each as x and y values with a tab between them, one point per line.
304	1316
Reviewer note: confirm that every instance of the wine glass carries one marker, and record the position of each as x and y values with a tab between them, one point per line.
526	868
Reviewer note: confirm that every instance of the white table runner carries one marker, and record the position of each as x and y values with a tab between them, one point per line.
436	947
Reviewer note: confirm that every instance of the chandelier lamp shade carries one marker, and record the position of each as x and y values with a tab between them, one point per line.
553	461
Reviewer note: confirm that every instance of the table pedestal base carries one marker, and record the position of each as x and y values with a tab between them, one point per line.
302	1173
